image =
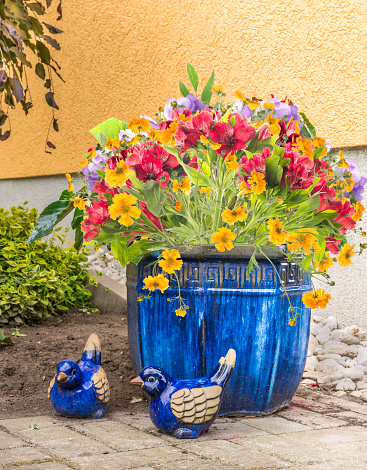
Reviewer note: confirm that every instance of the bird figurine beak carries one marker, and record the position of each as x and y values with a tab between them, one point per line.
137	381
62	377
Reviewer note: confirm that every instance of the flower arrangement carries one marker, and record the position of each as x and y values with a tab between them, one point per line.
205	172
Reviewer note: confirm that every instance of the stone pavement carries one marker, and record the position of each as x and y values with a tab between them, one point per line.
315	431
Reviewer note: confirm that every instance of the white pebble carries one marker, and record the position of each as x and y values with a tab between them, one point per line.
339	394
346	385
362	385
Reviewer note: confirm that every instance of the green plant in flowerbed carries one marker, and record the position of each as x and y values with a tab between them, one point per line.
37	280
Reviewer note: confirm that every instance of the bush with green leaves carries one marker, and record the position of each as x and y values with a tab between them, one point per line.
40	279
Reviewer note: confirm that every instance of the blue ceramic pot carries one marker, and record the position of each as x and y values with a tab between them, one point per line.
227	309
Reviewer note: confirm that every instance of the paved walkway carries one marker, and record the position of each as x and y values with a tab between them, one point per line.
316	431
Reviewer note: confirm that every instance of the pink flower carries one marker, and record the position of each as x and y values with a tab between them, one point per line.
332	245
151	168
189	133
256	163
344	217
97	214
230	137
299	172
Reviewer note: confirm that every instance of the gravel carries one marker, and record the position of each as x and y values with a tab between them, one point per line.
103	261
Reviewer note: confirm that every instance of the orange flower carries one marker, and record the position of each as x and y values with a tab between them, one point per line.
359	209
204	190
181	312
178	205
257	182
123	207
292	322
118	176
170	262
273	121
184	186
276	235
324	264
68	177
237	214
319	142
112	143
231	162
345	254
305	146
223	238
139	125
240	96
156	282
207	142
302	241
342	163
84	163
79	203
217	89
316	299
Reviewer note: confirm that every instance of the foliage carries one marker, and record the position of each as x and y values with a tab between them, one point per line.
252	172
36	280
22	33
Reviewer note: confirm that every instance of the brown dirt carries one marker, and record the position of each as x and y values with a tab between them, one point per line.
27	367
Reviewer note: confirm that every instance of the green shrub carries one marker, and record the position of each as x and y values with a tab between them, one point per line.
39	279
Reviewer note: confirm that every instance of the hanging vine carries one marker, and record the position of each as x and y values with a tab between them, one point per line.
22	34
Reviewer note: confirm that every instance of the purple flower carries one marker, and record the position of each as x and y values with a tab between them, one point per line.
190	102
126	134
153	123
359	180
90	171
239	107
285	111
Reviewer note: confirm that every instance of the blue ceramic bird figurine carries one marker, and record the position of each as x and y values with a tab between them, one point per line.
185	408
81	390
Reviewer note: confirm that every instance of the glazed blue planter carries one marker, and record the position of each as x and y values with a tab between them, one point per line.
227	309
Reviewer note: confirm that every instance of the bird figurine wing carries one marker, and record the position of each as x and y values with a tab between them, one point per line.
101	386
50	388
196	405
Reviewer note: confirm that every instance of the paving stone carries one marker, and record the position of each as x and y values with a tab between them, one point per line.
333	465
226	431
311	419
21	424
20	454
333	436
53	465
198	464
7	440
351	417
118	435
329	406
236	455
275	424
65	442
134	459
139	421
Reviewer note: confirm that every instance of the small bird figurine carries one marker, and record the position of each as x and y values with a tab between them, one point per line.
81	390
185	408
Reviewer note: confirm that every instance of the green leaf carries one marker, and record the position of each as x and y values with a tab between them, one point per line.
110	128
225	117
119	250
154	197
322	243
317	152
43	53
51	216
21	56
285	162
206	94
306	262
258	146
309	126
274	171
78	238
184	91
40	70
38	8
309	206
77	219
193	76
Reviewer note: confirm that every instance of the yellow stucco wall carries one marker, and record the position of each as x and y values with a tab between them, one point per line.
121	58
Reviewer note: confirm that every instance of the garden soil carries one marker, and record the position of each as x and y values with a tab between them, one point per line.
27	367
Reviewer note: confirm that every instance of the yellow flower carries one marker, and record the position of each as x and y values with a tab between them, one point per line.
156	282
84	163
348	184
79	203
204	189
342	163
274	127
319	142
244	189
184	186
324	264
223	238
344	256
240	96
112	143
316	299
359	209
180	312
170	262
118	176
231	162
207	142
68	177
124	207
257	182
217	89
167	135
305	146
237	214
135	139
292	322
302	241
268	105
178	205
276	235
139	125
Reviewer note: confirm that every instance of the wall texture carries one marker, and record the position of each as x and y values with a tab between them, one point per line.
123	58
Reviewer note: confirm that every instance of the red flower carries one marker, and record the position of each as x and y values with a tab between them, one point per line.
150	216
344	217
97	214
327	197
151	168
102	187
168	160
299	172
287	132
256	163
189	133
230	137
332	245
